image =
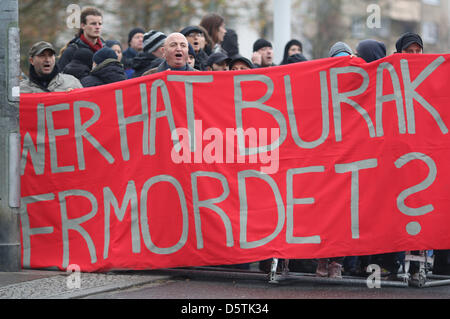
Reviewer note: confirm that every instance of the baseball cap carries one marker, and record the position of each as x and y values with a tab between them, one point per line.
40	47
217	58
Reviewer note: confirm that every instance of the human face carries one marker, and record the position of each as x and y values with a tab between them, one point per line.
116	48
196	39
221	33
414	49
43	63
266	56
294	49
239	66
93	28
191	61
137	42
176	50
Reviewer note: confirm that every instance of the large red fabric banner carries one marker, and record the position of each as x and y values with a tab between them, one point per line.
327	158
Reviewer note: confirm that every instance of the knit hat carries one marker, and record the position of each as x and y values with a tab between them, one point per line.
133	32
84	55
406	40
340	49
111	43
103	54
261	43
153	40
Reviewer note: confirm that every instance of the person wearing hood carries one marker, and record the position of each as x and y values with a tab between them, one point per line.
371	50
81	64
153	53
107	69
292	47
44	73
409	43
340	49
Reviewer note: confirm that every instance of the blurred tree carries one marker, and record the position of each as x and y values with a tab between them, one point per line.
329	27
165	16
40	20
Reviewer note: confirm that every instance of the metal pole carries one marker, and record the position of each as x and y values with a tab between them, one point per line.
282	27
9	136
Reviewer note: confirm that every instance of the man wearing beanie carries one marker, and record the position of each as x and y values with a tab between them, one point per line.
44	73
262	54
152	54
409	43
107	69
135	46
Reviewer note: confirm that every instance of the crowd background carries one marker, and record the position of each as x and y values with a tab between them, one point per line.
89	59
316	23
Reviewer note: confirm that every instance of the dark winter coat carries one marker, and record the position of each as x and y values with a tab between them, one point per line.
81	65
200	60
144	62
109	71
72	47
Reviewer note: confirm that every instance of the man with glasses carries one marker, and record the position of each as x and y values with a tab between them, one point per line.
196	37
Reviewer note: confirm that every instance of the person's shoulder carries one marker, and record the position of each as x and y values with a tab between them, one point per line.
26	86
68	81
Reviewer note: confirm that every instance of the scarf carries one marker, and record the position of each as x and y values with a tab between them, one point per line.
43	80
94	47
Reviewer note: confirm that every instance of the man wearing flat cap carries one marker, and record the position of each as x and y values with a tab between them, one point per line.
196	37
44	74
409	43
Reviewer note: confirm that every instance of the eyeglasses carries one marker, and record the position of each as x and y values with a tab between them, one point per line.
195	34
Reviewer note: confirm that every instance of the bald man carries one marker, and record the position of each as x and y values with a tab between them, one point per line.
176	55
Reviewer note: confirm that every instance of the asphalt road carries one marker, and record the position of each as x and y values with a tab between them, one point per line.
228	285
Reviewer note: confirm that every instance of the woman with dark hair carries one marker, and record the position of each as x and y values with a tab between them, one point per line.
291	48
214	24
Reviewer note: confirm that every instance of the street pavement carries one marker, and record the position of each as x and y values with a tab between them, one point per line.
198	283
41	284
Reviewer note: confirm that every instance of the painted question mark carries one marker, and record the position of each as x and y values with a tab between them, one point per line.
414	228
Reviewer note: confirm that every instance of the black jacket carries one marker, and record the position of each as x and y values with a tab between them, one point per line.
72	47
109	71
201	59
81	64
144	62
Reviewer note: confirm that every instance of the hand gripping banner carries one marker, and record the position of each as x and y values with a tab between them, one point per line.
326	158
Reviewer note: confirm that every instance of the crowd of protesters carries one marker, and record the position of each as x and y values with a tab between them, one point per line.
88	60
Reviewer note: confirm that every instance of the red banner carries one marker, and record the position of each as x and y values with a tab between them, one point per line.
326	158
